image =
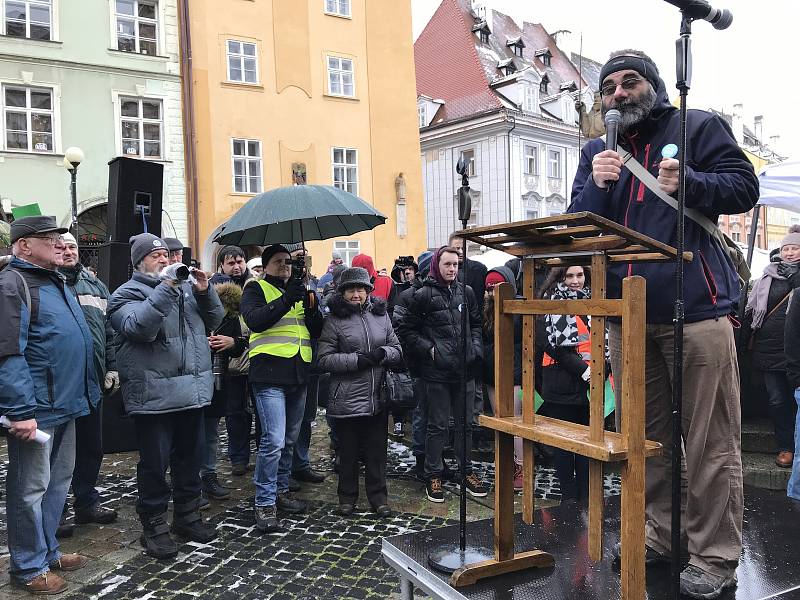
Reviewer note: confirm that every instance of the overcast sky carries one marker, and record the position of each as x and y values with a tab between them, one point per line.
753	62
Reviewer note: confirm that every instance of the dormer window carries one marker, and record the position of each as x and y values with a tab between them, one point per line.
544	55
569	86
543	84
516	45
507	66
482	29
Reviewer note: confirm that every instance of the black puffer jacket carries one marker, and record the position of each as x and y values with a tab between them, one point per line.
350	329
767	342
433	320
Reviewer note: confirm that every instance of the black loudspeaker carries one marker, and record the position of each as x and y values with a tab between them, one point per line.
135	188
119	429
115	264
187	256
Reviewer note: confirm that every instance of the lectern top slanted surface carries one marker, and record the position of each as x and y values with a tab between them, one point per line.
572	239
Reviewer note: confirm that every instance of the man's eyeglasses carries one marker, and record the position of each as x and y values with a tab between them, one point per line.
629	83
50	238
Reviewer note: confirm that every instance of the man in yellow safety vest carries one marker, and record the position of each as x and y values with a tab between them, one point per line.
283	317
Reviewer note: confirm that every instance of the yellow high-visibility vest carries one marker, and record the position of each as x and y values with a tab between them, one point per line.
288	336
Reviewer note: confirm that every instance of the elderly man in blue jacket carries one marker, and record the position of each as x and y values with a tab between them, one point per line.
47	380
164	364
719	180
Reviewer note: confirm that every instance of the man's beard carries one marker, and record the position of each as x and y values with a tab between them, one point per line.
633	111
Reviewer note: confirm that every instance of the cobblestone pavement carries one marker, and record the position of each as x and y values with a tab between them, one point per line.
322	555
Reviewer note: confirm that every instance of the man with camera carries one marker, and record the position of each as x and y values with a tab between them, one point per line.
283	316
160	320
403	273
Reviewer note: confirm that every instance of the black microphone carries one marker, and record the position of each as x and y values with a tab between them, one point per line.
720	18
611	119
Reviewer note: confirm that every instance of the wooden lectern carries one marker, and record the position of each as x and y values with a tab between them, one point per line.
565	240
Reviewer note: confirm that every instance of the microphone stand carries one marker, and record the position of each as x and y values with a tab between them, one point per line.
449	557
683	69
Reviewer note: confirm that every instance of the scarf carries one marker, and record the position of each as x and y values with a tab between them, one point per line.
562	330
759	295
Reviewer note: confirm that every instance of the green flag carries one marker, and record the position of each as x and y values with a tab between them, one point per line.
29	210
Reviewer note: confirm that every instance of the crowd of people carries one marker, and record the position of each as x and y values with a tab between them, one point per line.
262	343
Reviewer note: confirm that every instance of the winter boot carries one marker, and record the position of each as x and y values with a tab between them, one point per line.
155	537
187	522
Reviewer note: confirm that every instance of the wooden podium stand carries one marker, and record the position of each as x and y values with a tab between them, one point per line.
565	240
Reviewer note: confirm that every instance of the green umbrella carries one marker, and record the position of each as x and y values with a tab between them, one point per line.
291	215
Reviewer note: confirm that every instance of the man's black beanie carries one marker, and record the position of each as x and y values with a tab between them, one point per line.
270	251
645	67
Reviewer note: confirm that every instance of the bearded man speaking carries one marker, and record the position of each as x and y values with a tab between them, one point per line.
719	180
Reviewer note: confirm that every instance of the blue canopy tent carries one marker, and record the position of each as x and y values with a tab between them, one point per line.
780	188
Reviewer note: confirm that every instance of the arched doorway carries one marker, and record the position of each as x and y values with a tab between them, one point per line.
92	233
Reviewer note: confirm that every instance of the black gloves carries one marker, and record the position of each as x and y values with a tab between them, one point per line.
376	355
295	291
364	362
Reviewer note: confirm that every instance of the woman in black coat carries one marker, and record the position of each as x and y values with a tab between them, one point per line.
565	375
356	345
765	319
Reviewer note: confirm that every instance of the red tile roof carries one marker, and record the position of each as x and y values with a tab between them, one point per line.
448	66
454	65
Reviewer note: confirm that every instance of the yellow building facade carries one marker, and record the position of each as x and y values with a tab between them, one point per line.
314	91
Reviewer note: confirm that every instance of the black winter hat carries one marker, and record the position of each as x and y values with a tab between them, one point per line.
270	251
354	277
143	244
644	66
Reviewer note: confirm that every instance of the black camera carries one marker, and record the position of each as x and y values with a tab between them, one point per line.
298	267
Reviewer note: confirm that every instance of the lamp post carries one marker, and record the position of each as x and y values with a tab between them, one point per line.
72	158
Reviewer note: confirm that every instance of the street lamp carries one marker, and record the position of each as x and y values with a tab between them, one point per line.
72	158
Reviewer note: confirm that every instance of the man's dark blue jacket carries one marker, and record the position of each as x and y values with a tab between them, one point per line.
719	180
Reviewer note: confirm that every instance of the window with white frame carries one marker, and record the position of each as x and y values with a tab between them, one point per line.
554	163
531	159
28	117
345	169
137	26
142	127
246	156
340	76
422	114
29	19
242	62
348	249
531	214
528	98
469	155
340	8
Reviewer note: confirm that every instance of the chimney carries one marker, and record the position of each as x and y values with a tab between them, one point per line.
737	123
758	128
773	141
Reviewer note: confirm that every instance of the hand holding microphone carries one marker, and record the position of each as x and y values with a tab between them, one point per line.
607	165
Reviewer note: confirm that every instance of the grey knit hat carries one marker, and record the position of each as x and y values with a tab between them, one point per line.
793	237
354	277
143	244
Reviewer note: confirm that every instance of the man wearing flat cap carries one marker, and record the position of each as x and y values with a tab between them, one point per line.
41	319
164	365
175	249
719	180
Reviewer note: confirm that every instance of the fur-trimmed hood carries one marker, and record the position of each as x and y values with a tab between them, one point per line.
342	309
230	295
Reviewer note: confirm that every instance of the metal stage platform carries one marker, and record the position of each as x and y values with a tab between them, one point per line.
769	568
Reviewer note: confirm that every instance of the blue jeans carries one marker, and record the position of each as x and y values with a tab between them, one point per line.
781	408
37	484
419	419
280	410
300	461
793	489
208	464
